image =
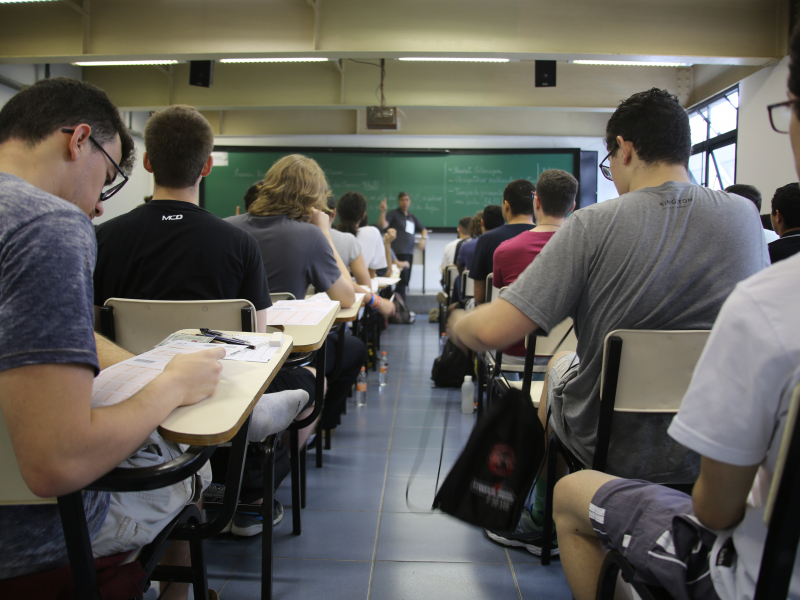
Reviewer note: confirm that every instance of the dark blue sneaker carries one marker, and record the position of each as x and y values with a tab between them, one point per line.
527	535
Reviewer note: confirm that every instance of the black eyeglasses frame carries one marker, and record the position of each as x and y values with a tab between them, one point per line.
105	195
604	169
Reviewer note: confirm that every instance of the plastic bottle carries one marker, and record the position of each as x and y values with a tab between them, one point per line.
467	395
361	388
442	342
383	367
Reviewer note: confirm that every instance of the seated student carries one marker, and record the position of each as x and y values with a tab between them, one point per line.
553	200
490	218
352	212
147	253
449	254
251	194
294	237
517	210
658	257
62	146
349	251
785	218
751	193
708	545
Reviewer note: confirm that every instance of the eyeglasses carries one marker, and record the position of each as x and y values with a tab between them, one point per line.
781	114
605	169
110	191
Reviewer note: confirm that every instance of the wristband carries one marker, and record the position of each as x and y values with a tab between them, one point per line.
378	300
371	301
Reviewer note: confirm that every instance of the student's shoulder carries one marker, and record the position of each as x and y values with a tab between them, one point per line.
22	204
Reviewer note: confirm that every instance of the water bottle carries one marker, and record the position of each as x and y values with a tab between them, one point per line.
361	388
442	342
467	395
383	367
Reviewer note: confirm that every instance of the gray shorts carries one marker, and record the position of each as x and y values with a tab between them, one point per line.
655	529
564	370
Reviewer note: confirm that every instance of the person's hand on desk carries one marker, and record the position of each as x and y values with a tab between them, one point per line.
402	264
196	374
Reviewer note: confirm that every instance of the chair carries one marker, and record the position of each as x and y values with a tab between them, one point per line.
15	491
467	285
635	378
780	517
138	325
278	296
450	275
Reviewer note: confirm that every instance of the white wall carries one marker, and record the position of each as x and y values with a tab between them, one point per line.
132	195
764	158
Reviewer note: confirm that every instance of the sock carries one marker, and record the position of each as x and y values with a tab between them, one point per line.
537	508
273	413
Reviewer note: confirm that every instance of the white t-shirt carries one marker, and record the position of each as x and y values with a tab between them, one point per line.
449	255
735	408
346	245
770	236
372	247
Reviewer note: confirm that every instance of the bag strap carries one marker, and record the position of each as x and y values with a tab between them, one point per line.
421	454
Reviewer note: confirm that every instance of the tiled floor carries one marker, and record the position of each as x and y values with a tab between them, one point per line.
361	538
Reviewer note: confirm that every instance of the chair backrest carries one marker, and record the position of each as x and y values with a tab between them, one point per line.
14	489
783	454
655	367
467	285
561	337
138	325
278	296
450	276
489	287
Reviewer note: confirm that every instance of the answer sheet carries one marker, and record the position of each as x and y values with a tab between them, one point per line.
299	312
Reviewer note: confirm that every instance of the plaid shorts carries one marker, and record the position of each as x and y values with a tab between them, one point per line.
655	529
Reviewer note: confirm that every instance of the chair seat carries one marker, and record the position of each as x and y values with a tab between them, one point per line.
536	390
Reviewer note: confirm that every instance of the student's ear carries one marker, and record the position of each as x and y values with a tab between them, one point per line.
207	167
79	141
146	162
537	203
627	149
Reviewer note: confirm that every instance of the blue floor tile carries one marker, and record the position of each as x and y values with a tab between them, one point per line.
442	581
546	583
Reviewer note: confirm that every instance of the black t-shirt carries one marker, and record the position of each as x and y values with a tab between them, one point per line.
787	246
483	259
174	250
404	242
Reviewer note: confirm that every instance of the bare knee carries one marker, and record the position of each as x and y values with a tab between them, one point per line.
571	499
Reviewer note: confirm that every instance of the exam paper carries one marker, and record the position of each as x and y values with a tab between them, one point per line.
263	352
298	312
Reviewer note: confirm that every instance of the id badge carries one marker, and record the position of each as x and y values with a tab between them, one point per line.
410	227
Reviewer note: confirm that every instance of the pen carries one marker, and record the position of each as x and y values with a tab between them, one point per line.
218	337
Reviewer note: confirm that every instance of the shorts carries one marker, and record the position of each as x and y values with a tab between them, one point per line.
655	529
135	518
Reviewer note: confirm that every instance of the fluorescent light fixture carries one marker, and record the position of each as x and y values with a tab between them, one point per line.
630	63
18	1
274	60
446	59
123	63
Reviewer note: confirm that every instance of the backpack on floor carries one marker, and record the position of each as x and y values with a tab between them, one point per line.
402	315
451	367
490	481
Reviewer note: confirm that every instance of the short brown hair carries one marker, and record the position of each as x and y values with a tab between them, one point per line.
556	190
475	227
293	186
178	141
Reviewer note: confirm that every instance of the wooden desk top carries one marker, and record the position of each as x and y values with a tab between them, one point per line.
384	282
308	338
351	314
217	419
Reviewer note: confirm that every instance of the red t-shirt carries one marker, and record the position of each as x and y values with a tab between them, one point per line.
510	259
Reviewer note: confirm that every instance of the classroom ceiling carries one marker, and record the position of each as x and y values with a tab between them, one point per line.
720	41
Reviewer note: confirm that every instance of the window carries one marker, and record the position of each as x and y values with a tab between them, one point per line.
714	133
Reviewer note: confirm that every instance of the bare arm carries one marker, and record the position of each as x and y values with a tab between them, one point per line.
480	291
423	239
495	325
388	238
720	494
359	270
382	222
108	353
62	444
261	321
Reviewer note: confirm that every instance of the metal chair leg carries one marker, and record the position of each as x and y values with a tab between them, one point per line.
266	512
295	462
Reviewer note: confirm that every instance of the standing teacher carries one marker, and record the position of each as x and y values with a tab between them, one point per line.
406	226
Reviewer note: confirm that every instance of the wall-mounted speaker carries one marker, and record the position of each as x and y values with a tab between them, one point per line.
201	73
545	73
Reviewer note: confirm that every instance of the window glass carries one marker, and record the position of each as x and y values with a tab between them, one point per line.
722	167
697	168
722	115
699	127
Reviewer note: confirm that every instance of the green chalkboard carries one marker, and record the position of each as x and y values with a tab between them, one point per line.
444	186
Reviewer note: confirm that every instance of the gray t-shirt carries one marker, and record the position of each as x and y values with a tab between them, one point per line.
657	258
295	254
346	245
47	253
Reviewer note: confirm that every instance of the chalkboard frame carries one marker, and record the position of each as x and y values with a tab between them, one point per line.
575	152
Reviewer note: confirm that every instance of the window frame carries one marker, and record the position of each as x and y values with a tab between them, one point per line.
710	144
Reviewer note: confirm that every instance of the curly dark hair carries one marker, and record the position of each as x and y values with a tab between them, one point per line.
657	125
493	216
49	105
519	195
787	201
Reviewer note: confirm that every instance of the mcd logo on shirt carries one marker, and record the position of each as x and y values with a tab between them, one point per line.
171	217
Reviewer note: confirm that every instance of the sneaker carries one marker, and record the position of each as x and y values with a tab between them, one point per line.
441	298
527	535
246	525
277	512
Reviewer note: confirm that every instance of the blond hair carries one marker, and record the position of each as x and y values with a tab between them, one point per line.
293	186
